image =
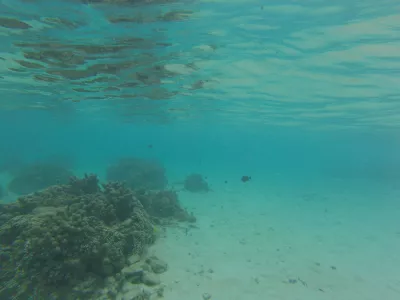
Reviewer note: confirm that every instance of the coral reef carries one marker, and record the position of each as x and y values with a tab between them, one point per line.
37	177
164	206
62	242
195	183
138	174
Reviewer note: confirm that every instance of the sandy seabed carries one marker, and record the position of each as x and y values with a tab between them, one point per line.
326	240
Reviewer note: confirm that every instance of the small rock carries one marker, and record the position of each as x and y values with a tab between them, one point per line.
150	279
133	274
160	291
206	296
157	265
147	292
146	267
133	259
134	292
127	287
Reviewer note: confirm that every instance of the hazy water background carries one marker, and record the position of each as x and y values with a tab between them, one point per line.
280	84
306	92
274	71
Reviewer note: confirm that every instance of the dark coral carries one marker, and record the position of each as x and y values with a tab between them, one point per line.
86	185
195	183
54	240
37	177
138	174
164	206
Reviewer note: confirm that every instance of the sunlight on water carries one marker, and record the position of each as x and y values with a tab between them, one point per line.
313	64
242	149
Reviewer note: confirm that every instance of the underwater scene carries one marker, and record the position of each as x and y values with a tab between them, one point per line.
199	150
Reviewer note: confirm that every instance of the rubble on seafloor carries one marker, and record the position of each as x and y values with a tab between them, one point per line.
81	240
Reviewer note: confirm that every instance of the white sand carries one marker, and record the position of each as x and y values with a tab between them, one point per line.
338	241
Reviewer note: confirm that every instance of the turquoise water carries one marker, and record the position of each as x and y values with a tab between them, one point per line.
301	97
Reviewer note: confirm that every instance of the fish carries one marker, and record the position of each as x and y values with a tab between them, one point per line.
246	178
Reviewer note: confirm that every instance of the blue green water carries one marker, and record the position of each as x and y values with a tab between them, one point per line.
302	97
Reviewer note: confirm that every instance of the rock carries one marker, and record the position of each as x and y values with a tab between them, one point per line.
135	292
136	274
146	267
160	291
127	287
148	292
133	259
150	279
157	265
133	274
206	296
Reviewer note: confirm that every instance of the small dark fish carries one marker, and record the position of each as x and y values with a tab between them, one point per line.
226	181
150	146
246	178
